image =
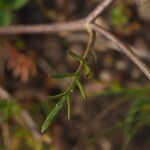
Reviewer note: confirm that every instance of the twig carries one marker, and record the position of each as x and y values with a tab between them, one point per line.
85	56
123	47
43	28
101	44
80	25
98	10
142	53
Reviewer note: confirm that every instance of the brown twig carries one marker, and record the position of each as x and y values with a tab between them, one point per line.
121	45
98	10
103	44
80	25
43	28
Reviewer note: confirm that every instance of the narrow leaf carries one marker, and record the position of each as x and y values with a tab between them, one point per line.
76	56
55	96
87	70
94	54
82	91
137	116
62	75
69	107
52	114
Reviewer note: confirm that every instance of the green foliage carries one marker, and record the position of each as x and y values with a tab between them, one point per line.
9	108
95	55
75	56
62	75
17	4
4	104
87	70
12	4
55	96
118	16
139	114
52	114
5	17
66	96
81	89
7	8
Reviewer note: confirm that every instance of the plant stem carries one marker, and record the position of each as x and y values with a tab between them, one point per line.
85	56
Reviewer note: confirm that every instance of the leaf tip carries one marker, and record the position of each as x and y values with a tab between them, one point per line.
43	129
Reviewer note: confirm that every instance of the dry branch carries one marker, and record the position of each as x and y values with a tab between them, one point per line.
80	25
98	10
122	46
44	28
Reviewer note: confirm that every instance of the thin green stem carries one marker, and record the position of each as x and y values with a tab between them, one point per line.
85	56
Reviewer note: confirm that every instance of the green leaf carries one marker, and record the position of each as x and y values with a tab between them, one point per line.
4	104
62	75
139	112
69	106
52	114
5	4
55	96
82	91
19	4
87	70
6	17
12	4
94	54
138	115
119	18
76	56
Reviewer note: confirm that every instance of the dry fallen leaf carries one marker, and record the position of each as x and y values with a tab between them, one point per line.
21	65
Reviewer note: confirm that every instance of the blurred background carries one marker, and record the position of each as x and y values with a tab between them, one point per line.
116	113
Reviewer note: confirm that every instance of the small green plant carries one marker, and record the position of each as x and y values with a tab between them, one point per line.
119	18
138	115
7	8
65	97
8	108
